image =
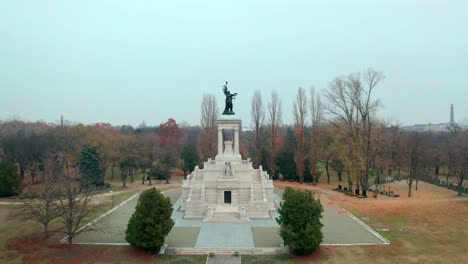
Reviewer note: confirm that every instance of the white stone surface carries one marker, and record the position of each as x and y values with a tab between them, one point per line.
251	191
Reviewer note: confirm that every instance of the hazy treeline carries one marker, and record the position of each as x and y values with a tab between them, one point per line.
336	131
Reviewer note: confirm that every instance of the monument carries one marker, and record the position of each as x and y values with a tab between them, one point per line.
228	188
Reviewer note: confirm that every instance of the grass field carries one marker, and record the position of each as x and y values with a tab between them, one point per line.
430	227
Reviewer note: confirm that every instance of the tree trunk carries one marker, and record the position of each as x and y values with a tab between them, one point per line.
33	174
409	189
70	243
21	170
143	179
350	183
149	178
124	179
112	170
46	230
460	185
340	177
327	165
417	181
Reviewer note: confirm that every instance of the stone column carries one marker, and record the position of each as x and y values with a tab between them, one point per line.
236	141
220	141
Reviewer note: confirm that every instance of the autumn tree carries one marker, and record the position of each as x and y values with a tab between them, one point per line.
169	133
460	161
350	101
300	115
147	153
326	147
76	206
24	144
285	160
315	107
412	156
274	120
40	204
257	112
128	162
209	114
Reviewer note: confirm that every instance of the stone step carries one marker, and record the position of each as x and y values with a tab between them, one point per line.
225	251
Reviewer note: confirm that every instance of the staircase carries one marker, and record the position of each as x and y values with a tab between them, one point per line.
225	213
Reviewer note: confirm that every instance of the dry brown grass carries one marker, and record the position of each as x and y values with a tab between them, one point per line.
430	227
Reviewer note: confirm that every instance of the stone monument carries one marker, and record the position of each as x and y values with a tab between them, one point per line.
228	188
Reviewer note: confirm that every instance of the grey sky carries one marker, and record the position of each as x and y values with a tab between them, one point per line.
127	61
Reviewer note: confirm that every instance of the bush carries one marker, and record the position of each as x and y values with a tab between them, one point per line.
10	180
299	220
151	222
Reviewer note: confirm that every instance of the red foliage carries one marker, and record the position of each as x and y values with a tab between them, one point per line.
169	132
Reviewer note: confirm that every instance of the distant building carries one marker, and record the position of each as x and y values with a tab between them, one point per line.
441	127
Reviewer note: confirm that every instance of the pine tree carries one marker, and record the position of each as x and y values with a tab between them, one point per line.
190	157
10	180
90	167
151	222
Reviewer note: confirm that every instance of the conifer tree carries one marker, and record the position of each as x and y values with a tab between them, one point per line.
151	222
90	167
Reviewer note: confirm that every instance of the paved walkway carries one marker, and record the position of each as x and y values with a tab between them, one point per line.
223	259
340	228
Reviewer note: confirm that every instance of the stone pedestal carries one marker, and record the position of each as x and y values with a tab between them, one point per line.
228	189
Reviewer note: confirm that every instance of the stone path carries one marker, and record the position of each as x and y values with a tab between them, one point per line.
225	235
340	228
223	259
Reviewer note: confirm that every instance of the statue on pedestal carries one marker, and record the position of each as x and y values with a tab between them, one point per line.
228	110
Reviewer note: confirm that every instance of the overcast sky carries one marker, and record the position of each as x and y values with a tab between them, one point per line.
127	61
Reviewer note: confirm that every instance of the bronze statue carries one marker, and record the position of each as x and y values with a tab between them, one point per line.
228	110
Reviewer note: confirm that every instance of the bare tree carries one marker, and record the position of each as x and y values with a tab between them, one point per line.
209	111
275	119
76	206
300	115
258	115
412	157
350	101
367	108
209	114
316	113
40	204
460	161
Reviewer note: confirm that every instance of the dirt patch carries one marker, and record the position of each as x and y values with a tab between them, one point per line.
36	249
